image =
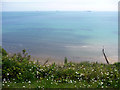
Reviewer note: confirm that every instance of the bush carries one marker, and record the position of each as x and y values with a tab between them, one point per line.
20	68
65	61
17	66
4	53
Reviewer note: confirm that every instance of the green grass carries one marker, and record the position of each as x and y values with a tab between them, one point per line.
52	84
19	72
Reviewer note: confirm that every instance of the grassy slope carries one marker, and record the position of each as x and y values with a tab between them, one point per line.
19	72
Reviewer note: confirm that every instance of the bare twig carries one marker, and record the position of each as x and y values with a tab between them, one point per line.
105	56
45	62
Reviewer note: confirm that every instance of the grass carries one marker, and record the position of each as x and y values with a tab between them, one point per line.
19	72
50	84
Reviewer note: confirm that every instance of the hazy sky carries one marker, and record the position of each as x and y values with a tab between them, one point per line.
62	5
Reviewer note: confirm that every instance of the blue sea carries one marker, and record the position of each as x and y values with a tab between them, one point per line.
77	35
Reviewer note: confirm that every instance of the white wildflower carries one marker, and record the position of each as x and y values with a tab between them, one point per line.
37	72
37	77
70	81
4	79
7	73
115	69
101	83
76	72
107	73
29	81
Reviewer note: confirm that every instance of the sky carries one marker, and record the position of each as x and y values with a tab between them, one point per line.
59	5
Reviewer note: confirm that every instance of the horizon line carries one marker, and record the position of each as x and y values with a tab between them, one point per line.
61	11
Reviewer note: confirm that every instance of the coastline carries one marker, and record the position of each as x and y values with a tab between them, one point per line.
60	60
76	59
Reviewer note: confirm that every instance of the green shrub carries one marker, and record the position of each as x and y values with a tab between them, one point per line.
20	68
4	53
65	60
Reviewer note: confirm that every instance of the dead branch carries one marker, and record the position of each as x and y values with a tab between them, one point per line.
45	62
105	56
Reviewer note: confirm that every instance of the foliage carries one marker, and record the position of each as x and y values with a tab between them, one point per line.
19	71
4	53
65	61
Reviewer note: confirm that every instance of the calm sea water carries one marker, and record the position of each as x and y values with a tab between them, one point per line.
77	35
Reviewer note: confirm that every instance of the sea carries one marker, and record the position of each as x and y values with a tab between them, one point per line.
77	35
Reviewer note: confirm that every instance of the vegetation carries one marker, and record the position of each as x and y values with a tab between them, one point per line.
65	61
19	72
4	53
